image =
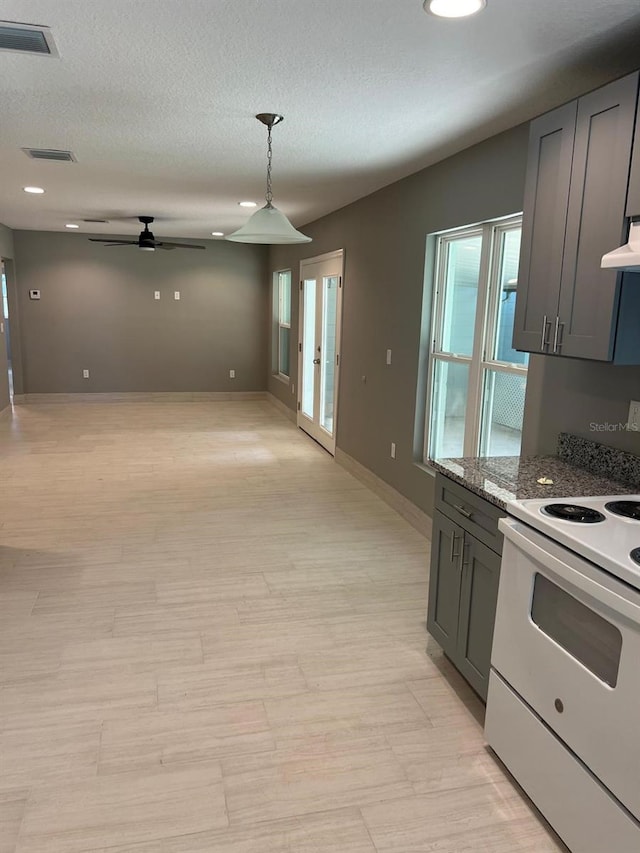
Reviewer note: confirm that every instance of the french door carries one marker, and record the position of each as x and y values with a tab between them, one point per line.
319	346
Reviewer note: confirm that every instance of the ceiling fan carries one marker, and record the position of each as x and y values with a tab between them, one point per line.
146	241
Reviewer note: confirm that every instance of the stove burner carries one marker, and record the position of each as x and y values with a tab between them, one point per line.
628	509
635	555
574	512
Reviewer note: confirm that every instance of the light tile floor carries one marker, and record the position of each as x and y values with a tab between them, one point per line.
213	641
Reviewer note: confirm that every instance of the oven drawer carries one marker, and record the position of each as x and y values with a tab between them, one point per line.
567	639
583	813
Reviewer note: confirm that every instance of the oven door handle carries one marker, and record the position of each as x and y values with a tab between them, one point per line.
551	565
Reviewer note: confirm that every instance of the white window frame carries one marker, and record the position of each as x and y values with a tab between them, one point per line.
278	322
479	362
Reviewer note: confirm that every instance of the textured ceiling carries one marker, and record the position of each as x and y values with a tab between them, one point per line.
156	99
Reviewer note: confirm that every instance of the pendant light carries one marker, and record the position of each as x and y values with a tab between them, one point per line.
268	225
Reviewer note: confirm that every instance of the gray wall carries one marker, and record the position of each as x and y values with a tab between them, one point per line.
97	311
6	242
384	237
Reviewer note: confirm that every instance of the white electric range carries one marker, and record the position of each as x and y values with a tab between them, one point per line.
563	710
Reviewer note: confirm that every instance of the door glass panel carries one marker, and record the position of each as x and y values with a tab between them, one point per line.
502	413
501	347
450	384
329	318
582	632
461	294
308	346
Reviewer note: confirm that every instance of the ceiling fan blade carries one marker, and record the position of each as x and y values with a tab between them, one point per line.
114	242
164	245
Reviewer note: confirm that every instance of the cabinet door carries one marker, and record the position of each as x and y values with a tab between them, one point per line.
596	221
479	596
633	197
444	582
546	202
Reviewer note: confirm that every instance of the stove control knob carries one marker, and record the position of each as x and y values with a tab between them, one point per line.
559	706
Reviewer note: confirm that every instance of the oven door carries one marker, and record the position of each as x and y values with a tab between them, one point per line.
567	639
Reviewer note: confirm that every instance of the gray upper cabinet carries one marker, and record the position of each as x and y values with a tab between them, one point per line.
574	212
546	200
633	197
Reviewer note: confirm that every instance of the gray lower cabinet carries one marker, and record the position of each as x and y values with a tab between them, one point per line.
574	212
463	585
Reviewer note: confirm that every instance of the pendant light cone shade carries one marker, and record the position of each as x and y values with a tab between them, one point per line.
268	225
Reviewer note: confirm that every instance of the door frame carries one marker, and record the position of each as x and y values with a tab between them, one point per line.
337	254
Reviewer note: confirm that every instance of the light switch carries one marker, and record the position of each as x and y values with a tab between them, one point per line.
232	374
156	294
388	356
176	295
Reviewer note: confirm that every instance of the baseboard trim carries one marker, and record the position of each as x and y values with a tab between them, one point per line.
143	397
282	408
403	506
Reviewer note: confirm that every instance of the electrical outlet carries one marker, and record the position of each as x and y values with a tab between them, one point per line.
156	294
85	374
634	416
388	356
232	374
393	450
176	295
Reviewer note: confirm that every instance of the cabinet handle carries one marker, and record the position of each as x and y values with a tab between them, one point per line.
464	562
560	335
544	343
463	511
453	556
556	334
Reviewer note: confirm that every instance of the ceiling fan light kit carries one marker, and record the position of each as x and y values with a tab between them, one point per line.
268	225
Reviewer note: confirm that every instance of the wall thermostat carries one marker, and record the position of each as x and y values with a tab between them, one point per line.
34	294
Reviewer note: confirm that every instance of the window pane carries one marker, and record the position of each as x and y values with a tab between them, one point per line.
502	413
462	271
283	364
284	285
509	257
448	409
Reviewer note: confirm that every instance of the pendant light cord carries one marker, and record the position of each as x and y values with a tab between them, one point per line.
269	195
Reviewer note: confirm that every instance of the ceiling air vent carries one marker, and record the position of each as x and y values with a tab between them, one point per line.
26	38
50	154
95	220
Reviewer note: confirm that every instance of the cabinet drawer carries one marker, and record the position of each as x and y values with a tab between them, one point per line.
473	513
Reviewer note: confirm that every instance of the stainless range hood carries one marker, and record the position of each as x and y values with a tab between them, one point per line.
627	257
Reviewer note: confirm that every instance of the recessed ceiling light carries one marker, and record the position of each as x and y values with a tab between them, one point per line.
71	225
454	8
34	190
248	204
217	233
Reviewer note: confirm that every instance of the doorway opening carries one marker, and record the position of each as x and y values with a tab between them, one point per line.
4	320
321	280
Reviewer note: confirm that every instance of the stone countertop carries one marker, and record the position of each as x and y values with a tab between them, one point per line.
499	479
